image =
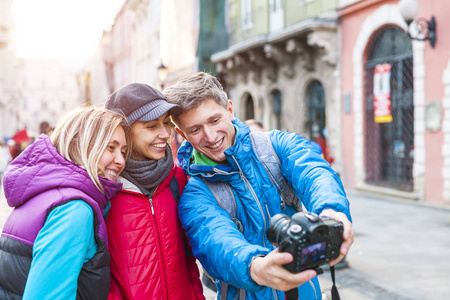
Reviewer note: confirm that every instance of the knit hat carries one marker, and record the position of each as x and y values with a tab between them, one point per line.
140	102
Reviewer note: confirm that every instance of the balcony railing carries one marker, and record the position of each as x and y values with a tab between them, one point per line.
257	22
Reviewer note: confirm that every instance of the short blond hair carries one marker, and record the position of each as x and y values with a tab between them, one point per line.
83	134
190	91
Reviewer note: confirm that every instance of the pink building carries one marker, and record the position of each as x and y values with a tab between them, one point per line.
395	95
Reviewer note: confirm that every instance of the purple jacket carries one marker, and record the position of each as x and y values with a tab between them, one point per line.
42	174
38	180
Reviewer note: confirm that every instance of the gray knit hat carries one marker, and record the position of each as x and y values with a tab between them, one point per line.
140	102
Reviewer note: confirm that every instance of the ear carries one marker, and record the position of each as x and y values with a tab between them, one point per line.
230	108
180	133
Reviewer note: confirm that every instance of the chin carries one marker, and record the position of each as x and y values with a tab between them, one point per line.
157	157
218	159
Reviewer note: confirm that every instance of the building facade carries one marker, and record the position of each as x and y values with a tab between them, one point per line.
33	92
347	75
145	35
401	146
9	66
281	67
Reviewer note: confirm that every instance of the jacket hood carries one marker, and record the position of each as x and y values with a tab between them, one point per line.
40	168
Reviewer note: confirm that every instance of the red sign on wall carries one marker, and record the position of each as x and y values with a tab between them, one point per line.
382	93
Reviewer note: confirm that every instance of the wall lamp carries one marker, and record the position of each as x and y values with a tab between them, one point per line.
423	29
162	75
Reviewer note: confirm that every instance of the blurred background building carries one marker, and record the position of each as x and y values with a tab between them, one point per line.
350	75
153	42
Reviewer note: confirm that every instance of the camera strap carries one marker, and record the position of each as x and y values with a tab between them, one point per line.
334	291
293	294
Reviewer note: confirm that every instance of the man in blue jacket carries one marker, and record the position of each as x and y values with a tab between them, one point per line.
219	148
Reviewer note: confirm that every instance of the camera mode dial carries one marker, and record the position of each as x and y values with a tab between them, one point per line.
295	229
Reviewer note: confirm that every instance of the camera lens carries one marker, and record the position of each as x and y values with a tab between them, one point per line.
277	226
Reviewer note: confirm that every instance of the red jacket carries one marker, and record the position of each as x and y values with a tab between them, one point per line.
148	253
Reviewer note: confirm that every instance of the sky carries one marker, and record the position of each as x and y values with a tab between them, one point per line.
61	29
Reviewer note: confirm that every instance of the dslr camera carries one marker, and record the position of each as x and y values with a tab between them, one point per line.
312	240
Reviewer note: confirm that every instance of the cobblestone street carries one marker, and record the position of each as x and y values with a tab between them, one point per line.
398	253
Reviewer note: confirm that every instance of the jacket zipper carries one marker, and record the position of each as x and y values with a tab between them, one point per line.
151	202
314	288
159	243
247	184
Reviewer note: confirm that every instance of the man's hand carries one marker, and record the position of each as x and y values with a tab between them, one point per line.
348	233
269	271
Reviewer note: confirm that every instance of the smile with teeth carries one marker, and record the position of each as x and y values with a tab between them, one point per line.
111	172
160	146
216	145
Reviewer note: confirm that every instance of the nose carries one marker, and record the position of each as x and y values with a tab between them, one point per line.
210	135
119	159
165	132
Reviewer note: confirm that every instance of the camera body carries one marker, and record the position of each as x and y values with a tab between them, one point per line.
312	240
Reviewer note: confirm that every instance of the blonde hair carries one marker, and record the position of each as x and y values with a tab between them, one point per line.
83	134
190	91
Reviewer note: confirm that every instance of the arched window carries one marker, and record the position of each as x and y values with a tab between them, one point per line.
389	109
316	110
316	122
276	109
249	108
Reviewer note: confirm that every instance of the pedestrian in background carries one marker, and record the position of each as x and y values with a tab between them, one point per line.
54	244
150	257
218	148
5	159
254	125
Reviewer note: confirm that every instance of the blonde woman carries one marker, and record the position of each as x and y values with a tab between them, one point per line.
54	244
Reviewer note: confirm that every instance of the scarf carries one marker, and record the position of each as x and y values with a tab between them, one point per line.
147	175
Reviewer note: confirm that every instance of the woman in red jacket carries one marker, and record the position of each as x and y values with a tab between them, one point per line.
150	256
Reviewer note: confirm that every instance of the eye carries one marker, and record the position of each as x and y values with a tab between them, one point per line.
194	131
215	121
151	127
111	148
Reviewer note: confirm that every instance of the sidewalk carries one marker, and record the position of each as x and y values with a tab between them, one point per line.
399	251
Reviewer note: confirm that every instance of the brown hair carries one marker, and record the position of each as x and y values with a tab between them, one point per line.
190	91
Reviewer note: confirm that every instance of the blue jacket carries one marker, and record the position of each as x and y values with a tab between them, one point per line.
225	252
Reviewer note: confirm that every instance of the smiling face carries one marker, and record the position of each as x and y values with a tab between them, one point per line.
150	138
112	160
209	129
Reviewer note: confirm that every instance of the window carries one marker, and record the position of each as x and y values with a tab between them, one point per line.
276	109
246	14
249	108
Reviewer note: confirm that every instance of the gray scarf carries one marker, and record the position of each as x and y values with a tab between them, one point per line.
148	174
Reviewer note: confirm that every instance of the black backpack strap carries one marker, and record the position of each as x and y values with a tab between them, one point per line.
175	188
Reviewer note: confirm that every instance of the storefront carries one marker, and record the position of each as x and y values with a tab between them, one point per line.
395	102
